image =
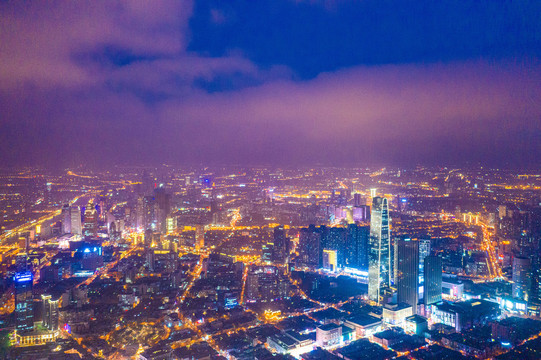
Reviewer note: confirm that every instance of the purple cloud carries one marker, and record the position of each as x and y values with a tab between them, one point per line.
62	92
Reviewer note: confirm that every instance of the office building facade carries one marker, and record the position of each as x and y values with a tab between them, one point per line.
408	272
379	269
24	312
433	271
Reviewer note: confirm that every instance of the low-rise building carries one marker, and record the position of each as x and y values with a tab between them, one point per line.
289	342
34	337
465	314
452	288
364	325
416	324
396	314
328	335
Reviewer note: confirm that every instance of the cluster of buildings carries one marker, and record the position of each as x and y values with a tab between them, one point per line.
276	264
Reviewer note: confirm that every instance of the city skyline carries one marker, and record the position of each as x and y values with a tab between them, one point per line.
270	263
281	83
270	180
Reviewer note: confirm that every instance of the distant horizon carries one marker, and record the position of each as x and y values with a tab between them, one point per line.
197	167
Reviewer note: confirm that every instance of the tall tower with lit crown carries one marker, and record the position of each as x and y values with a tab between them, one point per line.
379	261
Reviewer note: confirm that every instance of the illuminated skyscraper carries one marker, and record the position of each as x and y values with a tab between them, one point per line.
24	244
280	250
199	237
71	220
424	251
521	277
379	274
24	314
171	224
330	259
433	280
140	213
357	247
66	219
75	219
50	312
148	213
309	246
162	208
358	199
408	272
91	221
266	252
335	239
252	286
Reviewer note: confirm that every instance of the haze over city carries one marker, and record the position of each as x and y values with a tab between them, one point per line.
272	82
270	180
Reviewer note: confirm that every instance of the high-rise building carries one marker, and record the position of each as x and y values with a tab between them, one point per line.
150	260
50	312
408	272
268	286
24	313
266	252
379	274
309	246
335	239
162	205
147	182
71	220
433	280
358	199
252	286
76	227
199	237
91	221
424	251
330	260
534	295
394	260
24	244
21	262
66	219
280	250
148	213
357	240
140	213
521	277
154	210
361	213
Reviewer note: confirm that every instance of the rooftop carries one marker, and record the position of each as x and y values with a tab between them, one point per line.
328	327
363	320
418	319
396	306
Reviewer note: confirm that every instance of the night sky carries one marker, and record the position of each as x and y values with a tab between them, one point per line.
270	82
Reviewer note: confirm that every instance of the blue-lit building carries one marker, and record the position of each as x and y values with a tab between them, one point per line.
432	280
88	256
24	301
